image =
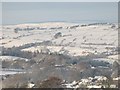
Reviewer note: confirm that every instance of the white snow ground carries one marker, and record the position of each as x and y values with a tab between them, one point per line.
11	58
78	41
75	40
79	37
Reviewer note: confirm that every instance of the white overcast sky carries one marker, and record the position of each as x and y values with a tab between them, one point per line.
15	13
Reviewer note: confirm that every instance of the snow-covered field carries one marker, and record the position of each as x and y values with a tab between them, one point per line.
10	72
10	58
75	39
81	42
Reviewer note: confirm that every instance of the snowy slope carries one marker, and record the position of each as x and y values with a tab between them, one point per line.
11	58
75	40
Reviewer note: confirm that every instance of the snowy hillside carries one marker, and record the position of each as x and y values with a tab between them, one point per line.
75	39
81	55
